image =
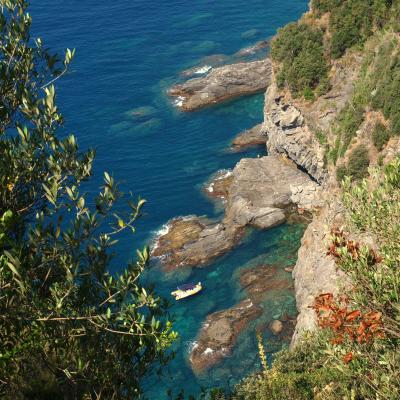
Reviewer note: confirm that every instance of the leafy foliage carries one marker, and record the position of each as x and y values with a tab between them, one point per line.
68	328
380	136
357	167
351	22
299	374
300	50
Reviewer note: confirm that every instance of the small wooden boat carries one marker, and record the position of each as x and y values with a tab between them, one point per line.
186	290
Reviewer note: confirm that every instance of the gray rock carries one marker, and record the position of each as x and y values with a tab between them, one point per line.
223	83
249	137
315	272
288	134
258	193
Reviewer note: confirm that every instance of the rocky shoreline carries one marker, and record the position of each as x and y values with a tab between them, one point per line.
223	83
260	193
263	193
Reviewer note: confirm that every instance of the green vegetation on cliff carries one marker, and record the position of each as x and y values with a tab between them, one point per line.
351	22
299	49
68	328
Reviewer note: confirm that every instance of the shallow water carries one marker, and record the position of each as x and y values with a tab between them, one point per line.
128	53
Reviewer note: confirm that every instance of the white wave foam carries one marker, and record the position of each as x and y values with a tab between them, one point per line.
192	345
179	101
203	70
207	351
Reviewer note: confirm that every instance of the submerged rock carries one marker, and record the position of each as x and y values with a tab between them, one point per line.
223	83
275	327
219	333
250	33
248	51
249	137
259	280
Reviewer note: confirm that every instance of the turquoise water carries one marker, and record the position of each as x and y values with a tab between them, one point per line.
128	52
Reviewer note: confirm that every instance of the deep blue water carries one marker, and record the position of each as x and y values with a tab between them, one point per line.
128	52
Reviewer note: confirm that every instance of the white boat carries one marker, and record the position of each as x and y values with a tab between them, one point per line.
186	290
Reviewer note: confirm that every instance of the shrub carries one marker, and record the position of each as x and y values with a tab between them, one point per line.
300	374
348	122
323	87
380	136
308	94
299	49
351	22
341	172
357	167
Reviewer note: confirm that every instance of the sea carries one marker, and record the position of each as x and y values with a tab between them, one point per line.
114	99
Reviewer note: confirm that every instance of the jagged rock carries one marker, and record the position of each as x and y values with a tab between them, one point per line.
193	241
250	137
261	190
219	333
220	185
275	327
223	83
288	134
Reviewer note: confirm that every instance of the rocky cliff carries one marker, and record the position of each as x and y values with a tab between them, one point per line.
290	126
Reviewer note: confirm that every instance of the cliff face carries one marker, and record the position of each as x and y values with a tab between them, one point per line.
291	126
289	134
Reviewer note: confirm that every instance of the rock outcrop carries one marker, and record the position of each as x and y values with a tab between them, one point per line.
219	333
249	137
288	134
258	194
315	272
193	241
219	185
261	191
223	83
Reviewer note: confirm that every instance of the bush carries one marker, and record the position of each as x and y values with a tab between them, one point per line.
308	94
351	22
348	122
380	136
299	49
357	167
341	172
300	374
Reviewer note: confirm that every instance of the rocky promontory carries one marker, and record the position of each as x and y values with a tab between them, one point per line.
219	333
249	137
193	241
223	83
259	193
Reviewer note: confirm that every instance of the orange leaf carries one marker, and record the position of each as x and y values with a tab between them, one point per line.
353	315
347	358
